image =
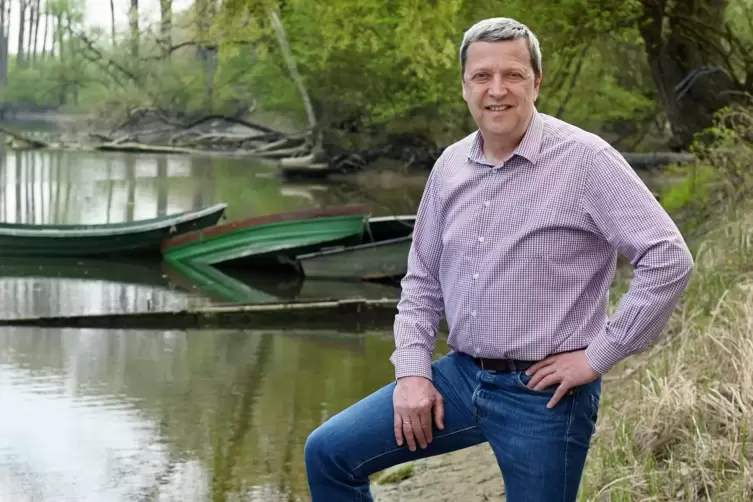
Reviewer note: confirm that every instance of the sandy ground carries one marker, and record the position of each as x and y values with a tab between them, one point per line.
470	475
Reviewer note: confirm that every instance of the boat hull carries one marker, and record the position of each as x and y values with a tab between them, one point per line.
382	254
381	260
269	241
139	238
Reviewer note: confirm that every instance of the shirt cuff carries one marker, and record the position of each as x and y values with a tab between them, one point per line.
602	354
411	361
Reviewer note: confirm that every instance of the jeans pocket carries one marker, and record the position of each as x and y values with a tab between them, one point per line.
521	380
593	399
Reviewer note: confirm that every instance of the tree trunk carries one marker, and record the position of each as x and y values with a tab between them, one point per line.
62	98
166	26
35	37
112	21
133	21
205	11
681	39
4	18
21	33
46	32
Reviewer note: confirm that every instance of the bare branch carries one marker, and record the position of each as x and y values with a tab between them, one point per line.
91	46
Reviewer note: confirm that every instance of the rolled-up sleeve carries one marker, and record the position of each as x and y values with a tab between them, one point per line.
421	302
629	217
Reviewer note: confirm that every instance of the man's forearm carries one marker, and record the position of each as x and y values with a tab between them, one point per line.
415	330
659	280
421	304
630	218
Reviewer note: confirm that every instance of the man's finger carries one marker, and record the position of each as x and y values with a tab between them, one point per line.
546	382
541	364
439	412
426	426
418	429
541	374
558	394
398	429
408	432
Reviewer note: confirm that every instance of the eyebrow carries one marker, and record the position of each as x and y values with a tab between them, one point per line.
520	69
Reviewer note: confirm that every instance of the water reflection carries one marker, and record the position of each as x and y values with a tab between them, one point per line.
102	187
57	287
221	415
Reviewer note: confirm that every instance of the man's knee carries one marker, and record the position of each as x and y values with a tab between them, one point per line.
316	448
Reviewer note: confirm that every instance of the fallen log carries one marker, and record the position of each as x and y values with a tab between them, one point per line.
310	161
354	314
143	148
281	153
653	160
30	142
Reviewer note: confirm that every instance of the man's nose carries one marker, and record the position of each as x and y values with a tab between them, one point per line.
497	86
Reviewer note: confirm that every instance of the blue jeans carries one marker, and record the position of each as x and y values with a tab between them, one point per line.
540	452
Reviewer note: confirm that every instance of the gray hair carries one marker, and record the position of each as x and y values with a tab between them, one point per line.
499	29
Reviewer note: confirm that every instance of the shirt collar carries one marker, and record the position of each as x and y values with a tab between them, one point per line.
529	146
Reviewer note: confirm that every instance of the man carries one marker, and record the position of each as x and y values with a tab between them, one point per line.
516	240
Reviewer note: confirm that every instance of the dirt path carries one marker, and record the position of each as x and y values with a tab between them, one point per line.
470	475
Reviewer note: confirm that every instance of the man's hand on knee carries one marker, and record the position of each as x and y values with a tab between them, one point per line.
415	400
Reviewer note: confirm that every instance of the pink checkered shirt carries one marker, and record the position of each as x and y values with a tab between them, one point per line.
520	256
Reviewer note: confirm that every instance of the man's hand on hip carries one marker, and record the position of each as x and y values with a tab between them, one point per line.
414	400
569	369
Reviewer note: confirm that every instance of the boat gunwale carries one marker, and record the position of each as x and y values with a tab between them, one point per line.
199	236
397	217
224	255
108	229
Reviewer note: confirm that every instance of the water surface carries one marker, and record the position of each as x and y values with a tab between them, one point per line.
192	416
97	415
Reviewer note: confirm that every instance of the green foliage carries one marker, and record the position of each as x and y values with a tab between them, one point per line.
691	190
722	177
386	65
727	147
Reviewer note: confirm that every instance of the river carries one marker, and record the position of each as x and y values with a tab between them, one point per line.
205	415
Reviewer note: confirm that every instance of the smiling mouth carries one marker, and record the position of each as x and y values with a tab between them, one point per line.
498	108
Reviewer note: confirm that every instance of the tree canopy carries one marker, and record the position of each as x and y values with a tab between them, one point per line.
642	73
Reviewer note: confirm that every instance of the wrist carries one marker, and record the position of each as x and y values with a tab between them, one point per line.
601	354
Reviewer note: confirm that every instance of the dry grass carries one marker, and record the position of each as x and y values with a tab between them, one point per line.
676	426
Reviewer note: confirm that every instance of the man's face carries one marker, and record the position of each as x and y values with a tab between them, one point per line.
499	87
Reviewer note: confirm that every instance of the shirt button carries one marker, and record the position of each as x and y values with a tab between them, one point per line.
475	276
477	350
486	203
473	313
481	239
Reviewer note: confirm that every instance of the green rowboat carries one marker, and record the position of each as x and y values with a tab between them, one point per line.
383	254
270	241
128	239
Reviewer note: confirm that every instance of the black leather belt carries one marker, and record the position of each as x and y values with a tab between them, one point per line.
503	365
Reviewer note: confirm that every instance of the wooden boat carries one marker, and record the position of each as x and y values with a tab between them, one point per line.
382	254
270	241
129	239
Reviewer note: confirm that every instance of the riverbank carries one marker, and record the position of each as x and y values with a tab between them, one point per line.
673	423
